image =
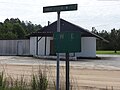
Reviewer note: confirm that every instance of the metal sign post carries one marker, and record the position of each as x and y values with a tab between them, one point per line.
69	7
67	72
67	42
58	60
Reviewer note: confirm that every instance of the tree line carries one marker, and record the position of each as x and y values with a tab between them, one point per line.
15	29
112	36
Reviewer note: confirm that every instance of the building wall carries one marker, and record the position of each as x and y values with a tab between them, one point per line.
14	47
41	45
88	47
48	45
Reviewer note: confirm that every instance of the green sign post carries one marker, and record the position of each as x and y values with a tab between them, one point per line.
67	42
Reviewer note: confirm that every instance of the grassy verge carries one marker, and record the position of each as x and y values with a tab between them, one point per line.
38	82
40	79
108	52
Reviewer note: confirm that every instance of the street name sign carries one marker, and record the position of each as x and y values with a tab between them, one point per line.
58	8
67	42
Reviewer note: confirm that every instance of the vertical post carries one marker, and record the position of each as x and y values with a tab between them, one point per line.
37	46
58	60
67	71
45	45
58	22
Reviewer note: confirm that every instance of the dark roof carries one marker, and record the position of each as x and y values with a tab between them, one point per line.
65	26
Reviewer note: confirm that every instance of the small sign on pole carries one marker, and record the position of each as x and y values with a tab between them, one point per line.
67	42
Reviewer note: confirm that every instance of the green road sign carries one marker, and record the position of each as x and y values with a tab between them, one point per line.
67	42
59	8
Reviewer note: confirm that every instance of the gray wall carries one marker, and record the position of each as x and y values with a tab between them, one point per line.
15	47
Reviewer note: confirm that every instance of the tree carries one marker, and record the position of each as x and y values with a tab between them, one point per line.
114	39
15	29
19	31
94	30
118	31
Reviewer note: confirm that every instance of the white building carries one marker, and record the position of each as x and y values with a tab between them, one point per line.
41	42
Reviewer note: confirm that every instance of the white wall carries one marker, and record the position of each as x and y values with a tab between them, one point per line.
48	45
41	46
88	47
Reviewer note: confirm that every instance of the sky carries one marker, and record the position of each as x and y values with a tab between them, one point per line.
101	14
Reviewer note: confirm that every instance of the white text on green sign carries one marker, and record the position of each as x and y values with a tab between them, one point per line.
66	42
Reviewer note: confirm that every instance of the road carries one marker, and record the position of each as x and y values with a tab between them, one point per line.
107	62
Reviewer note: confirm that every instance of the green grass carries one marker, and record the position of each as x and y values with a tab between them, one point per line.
108	52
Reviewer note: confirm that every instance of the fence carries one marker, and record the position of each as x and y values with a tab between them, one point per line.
15	47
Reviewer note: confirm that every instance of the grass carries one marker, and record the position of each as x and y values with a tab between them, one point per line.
38	82
39	79
108	52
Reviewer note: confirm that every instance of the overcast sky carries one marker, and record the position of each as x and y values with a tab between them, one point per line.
102	14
